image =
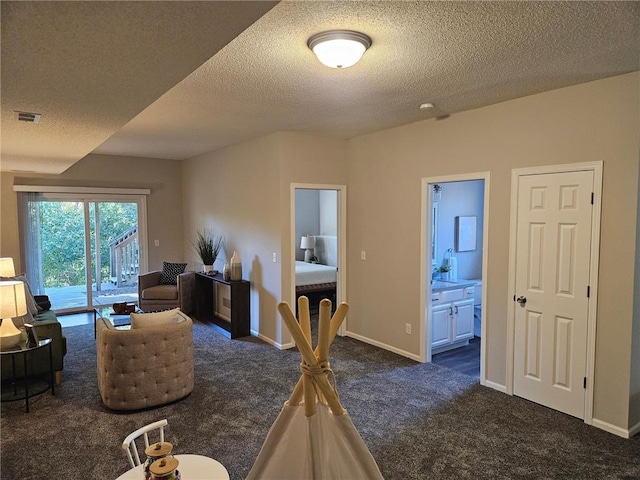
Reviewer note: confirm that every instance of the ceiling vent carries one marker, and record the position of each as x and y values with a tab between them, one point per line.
29	117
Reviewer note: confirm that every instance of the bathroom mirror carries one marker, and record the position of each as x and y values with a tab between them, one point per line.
465	234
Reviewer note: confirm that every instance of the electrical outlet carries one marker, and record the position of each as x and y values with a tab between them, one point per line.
407	328
363	255
156	243
275	257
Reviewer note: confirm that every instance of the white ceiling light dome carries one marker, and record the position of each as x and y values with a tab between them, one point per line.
339	48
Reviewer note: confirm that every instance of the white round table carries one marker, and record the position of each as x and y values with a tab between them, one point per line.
191	467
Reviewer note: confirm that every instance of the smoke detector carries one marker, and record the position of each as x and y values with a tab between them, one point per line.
28	117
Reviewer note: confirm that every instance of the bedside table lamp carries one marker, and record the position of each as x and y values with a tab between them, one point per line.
6	267
309	244
12	304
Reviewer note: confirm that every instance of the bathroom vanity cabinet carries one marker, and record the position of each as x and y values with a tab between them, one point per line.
451	315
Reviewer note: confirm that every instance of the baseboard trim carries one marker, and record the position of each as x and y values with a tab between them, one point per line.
635	429
608	427
384	346
272	342
495	386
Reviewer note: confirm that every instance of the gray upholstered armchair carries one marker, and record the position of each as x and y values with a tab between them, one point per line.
152	296
144	367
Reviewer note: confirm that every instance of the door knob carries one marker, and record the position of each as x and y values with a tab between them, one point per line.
521	300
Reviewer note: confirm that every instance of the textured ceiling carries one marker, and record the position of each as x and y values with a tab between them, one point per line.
457	55
90	67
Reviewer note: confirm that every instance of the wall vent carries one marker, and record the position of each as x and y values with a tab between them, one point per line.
29	117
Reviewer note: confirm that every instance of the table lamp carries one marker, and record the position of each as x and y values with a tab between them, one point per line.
6	267
309	244
12	304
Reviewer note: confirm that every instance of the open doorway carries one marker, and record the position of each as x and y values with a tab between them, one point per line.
318	241
455	272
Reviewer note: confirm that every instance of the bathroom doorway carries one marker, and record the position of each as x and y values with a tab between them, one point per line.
454	294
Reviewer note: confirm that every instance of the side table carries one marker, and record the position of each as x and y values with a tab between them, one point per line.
190	467
28	385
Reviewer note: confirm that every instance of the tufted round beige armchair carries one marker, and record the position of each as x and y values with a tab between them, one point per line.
144	367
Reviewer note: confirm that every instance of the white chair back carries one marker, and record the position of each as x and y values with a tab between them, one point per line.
129	444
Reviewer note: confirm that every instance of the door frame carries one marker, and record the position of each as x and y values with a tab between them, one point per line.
341	288
596	168
425	259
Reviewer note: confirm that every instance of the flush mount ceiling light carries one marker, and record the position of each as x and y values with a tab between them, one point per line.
339	48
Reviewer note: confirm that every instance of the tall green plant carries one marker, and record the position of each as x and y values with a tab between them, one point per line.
207	245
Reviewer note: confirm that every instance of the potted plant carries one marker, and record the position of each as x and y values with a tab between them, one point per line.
444	270
207	246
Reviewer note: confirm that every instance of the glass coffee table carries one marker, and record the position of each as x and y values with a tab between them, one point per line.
121	321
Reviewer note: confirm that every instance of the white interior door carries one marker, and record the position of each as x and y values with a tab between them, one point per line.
553	245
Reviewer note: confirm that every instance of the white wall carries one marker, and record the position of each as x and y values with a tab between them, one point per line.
316	214
457	199
307	216
328	212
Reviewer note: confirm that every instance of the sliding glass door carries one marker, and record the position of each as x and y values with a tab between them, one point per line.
61	237
83	252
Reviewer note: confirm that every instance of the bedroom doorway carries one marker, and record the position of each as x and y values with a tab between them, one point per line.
454	249
318	244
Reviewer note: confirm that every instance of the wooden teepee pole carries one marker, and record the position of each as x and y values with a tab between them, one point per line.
336	321
312	362
307	384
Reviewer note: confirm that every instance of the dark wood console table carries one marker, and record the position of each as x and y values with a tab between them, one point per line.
225	304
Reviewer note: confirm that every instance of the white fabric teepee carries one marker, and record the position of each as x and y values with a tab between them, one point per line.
314	437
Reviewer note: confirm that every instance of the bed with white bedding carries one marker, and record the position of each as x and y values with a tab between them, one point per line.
316	282
314	273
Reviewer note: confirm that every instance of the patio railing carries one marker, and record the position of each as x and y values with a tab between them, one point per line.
124	258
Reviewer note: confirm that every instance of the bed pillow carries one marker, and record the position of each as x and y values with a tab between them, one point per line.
143	320
170	272
32	306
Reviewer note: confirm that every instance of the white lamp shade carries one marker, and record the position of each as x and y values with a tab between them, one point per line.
6	267
339	48
13	302
308	242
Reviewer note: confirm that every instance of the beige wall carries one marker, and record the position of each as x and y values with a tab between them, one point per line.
164	213
634	396
243	192
235	191
597	121
304	160
9	240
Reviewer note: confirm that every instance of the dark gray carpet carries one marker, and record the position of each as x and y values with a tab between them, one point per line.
419	421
